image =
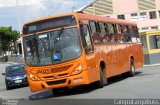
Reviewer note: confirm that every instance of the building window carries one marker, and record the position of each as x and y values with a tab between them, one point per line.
121	17
154	42
134	17
143	16
154	28
145	28
153	15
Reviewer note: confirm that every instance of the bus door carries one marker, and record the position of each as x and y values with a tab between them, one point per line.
89	52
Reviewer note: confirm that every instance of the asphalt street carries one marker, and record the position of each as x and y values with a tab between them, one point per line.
146	84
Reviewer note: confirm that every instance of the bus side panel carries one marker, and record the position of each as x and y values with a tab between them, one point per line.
108	59
92	65
138	55
116	56
135	50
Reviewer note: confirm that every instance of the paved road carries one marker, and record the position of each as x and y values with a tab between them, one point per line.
145	84
2	83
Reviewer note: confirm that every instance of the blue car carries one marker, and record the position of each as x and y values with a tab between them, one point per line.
15	75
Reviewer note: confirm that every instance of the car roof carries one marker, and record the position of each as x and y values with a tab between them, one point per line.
12	65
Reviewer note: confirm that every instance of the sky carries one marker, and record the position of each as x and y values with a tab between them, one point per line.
33	9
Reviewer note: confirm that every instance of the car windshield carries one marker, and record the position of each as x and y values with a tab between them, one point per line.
15	70
52	47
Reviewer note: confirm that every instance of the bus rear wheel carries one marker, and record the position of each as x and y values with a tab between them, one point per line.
132	68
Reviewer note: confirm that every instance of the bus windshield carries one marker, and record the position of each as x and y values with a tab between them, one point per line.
52	47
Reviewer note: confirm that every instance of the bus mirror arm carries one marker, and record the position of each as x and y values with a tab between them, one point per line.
88	49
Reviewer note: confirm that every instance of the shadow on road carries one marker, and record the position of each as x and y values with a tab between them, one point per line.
18	87
121	77
71	91
77	90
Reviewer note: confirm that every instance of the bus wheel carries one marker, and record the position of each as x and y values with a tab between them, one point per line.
103	80
132	68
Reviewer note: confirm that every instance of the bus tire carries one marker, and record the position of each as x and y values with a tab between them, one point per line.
132	68
103	80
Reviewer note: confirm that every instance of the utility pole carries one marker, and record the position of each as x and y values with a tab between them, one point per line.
18	17
20	29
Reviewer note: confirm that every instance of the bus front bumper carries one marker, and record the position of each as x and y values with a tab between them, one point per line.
75	80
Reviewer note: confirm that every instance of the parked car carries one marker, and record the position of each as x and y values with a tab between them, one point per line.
15	75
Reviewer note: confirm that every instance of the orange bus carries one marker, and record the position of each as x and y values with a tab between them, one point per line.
78	49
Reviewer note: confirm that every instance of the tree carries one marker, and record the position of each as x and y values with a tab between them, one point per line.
8	36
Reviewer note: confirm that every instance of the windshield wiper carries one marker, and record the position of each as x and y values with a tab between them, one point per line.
58	35
42	43
40	40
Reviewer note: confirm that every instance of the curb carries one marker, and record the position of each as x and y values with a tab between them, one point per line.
152	65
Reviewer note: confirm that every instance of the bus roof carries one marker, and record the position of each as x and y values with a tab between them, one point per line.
49	17
87	17
104	19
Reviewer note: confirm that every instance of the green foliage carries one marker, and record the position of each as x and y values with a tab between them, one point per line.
7	37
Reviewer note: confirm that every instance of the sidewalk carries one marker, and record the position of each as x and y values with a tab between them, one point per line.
8	63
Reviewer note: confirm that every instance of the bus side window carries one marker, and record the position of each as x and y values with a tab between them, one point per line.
96	35
119	28
106	37
86	37
133	36
93	27
135	31
111	33
120	35
102	28
115	28
98	27
126	34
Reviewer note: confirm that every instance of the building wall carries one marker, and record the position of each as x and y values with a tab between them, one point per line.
148	23
128	7
124	6
158	4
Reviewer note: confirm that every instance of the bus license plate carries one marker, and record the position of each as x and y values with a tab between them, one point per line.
18	81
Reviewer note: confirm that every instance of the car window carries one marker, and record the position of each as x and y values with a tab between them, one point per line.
15	70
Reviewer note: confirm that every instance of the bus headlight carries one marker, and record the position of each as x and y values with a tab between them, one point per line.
33	77
78	69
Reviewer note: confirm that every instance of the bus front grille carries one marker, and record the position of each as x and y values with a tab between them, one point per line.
58	76
60	69
63	81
